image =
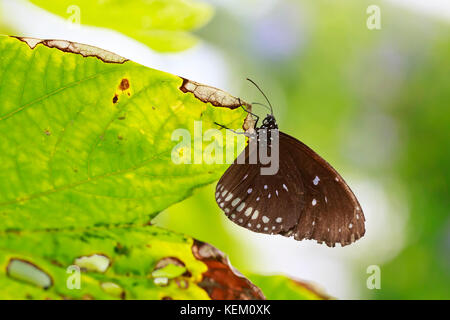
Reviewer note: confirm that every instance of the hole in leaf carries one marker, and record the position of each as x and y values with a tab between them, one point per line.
95	263
28	272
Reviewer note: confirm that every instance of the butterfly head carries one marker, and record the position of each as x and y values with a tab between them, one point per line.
269	122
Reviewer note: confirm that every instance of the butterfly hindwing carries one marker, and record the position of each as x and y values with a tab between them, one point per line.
332	213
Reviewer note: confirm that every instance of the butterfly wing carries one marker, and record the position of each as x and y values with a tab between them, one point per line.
261	203
331	214
306	198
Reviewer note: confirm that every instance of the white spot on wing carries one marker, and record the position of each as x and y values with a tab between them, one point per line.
240	207
249	190
316	180
265	187
255	214
268	196
314	202
284	187
279	219
248	211
229	196
235	201
265	219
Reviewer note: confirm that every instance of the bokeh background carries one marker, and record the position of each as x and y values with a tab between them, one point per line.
374	103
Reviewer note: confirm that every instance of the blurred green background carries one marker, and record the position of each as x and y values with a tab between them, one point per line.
374	103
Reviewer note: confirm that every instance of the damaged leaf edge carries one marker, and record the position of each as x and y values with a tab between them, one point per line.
84	50
218	98
206	252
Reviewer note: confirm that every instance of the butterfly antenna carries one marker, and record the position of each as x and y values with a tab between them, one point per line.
261	104
253	82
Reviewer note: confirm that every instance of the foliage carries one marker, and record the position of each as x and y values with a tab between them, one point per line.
163	25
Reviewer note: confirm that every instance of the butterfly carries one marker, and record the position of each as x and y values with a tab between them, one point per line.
305	199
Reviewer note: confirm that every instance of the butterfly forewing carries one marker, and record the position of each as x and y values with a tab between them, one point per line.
306	198
260	202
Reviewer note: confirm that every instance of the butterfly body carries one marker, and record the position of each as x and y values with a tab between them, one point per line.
306	198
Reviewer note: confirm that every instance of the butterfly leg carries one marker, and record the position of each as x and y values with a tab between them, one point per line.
225	127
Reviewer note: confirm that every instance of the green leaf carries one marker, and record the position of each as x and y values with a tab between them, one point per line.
163	25
135	257
86	136
278	287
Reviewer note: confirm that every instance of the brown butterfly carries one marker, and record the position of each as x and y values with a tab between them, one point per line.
306	198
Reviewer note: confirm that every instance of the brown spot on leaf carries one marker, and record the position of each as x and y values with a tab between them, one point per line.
187	274
75	47
124	84
222	281
122	88
166	298
121	249
47	132
56	263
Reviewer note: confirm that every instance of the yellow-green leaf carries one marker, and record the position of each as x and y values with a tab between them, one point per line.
278	287
85	136
46	264
163	25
